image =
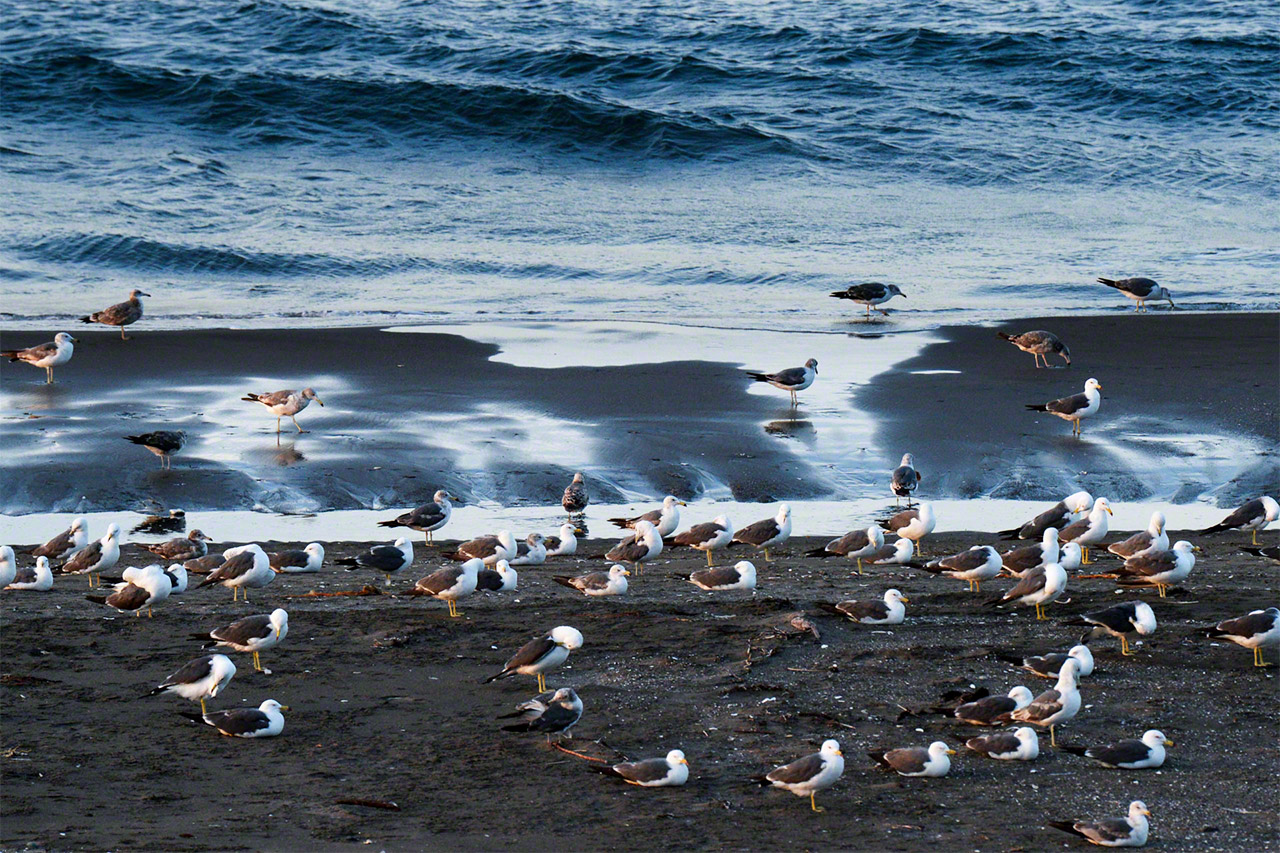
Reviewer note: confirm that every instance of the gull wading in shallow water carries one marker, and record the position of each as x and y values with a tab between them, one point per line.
905	479
50	355
871	294
575	497
163	443
1075	408
792	379
1040	344
121	314
1140	290
285	404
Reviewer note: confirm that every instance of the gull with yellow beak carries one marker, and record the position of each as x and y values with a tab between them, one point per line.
809	775
1130	753
537	657
1130	831
1075	408
285	404
652	772
262	721
252	634
1090	530
931	761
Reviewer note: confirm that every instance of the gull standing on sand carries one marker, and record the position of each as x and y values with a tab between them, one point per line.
252	634
285	404
37	579
1161	569
530	552
387	559
96	557
1040	344
575	497
1019	561
993	710
1153	539
1056	705
905	479
554	713
1120	620
50	355
1091	530
65	543
1048	666
666	518
595	584
1140	290
243	568
121	314
1038	586
931	761
1021	744
809	775
741	575
263	721
1253	516
190	547
871	294
1059	515
9	566
1130	831
163	443
537	657
644	544
652	772
201	679
501	578
913	524
1075	408
488	549
771	531
564	545
427	518
1130	753
305	561
855	545
887	612
707	537
450	584
980	563
139	588
1259	628
792	379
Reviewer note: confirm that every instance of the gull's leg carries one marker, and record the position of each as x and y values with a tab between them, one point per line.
708	558
1124	646
1255	536
859	567
542	683
203	710
277	424
813	803
48	376
1039	613
1257	653
1053	739
149	614
766	555
257	664
136	613
388	580
123	336
295	423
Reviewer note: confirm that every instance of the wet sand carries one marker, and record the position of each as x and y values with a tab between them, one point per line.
387	704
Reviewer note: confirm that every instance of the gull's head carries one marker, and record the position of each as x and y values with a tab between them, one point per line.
926	511
1155	737
1021	695
1070	670
279	620
906	548
577	478
570	638
1026	734
401	542
1144	619
6	554
812	364
534	539
1079	502
893	290
1138	809
314	549
271	706
134	294
616	571
80	523
199	536
113	531
1168	296
1050	536
908	459
1061	349
1083	657
938	749
442	497
504	570
62	339
1272	508
784	512
893	595
42	565
1185	546
564	694
507	540
646	530
222	669
1071	555
1092	385
831	748
310	394
1157	523
671	500
1102	505
746	570
675	757
723	521
568	531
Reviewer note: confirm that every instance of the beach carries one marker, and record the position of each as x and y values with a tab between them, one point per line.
388	705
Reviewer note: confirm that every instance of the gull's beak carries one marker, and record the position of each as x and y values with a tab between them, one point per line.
75	340
685	762
318	400
1168	742
577	531
1099	387
904	598
1146	812
682	503
626	574
1196	548
277	633
839	752
1109	512
951	752
285	708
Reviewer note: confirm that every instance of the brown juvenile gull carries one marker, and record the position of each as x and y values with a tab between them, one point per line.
202	678
1040	344
300	561
285	404
855	545
450	584
189	547
771	531
121	314
1140	290
931	761
1075	408
651	772
792	379
595	584
427	518
913	524
905	479
1054	706
1253	516
50	355
1130	831
1257	629
1119	620
575	497
873	293
1154	538
262	721
666	518
65	543
163	443
809	775
708	536
252	634
1090	530
489	549
876	612
1128	754
387	559
1058	515
541	655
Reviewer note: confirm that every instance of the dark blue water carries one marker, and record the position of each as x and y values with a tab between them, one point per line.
695	162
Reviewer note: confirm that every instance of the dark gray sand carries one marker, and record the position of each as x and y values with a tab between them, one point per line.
388	705
1189	407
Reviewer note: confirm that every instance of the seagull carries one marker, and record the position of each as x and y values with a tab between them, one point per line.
1139	290
50	355
1019	561
501	578
707	537
1128	831
792	379
1054	706
934	760
809	775
771	531
38	579
163	443
139	588
1151	540
177	575
666	519
450	584
1128	754
190	547
263	721
873	293
202	678
557	713
913	524
9	566
575	498
897	554
1070	559
65	543
121	314
1253	516
1040	344
1271	553
564	545
1074	408
1257	629
530	552
1161	569
741	575
244	567
1039	587
537	657
309	559
1048	666
993	710
1090	530
489	549
1058	515
1119	620
652	772
612	582
1021	744
96	557
856	545
980	563
887	612
387	559
427	518
905	478
644	544
252	634
285	404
